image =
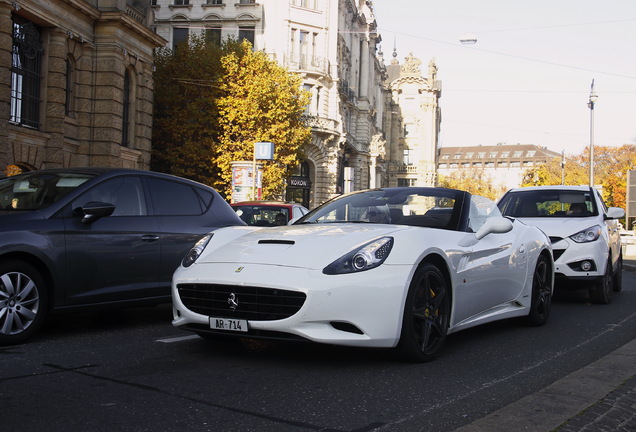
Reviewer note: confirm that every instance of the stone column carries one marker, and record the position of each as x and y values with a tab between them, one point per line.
6	44
55	99
363	91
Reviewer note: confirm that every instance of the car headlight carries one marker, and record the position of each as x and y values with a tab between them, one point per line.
365	257
587	235
196	251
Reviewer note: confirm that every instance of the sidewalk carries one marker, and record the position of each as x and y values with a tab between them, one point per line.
600	397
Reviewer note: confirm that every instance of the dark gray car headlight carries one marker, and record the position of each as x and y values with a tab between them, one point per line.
196	251
587	235
369	255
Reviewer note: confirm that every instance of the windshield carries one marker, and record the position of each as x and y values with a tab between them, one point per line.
426	207
259	215
548	203
37	190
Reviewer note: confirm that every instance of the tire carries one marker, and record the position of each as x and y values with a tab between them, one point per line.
541	302
602	292
618	274
23	301
426	315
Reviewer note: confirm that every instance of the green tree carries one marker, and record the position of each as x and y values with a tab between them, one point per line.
213	102
185	128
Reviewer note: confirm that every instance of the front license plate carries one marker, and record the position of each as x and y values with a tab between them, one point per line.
228	324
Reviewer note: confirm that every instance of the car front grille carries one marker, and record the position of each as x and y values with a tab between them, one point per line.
252	303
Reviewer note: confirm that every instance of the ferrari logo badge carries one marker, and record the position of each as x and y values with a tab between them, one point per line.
238	270
232	301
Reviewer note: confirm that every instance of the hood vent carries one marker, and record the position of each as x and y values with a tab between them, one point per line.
282	242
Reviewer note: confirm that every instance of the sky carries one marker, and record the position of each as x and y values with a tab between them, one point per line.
527	79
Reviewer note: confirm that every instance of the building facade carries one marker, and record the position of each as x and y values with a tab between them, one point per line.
333	45
505	164
413	121
76	84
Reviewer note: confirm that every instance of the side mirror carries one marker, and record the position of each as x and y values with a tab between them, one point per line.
495	225
93	210
615	213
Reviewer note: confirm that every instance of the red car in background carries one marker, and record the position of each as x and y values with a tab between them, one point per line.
268	213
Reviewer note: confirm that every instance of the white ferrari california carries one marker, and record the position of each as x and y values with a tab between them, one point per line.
396	268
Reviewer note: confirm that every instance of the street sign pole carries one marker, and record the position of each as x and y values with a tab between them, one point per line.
263	151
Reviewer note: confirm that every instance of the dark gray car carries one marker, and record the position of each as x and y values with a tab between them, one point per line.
87	238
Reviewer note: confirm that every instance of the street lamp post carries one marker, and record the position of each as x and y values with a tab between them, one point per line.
592	100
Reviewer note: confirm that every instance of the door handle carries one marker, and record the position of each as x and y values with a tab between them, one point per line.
149	238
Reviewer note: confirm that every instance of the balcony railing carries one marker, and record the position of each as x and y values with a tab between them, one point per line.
403	169
306	63
320	123
135	14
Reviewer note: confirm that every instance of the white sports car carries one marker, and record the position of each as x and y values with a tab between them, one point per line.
396	268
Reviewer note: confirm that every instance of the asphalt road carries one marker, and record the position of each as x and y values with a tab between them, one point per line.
132	371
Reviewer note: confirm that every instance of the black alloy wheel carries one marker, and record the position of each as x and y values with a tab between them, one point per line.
426	315
541	302
23	301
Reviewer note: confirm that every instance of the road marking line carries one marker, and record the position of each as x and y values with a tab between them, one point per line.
177	339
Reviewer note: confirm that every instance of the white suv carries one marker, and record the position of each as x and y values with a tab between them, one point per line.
584	233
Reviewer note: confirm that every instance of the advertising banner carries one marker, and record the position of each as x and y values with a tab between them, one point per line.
243	188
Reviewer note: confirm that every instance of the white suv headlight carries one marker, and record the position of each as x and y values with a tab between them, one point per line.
587	235
365	257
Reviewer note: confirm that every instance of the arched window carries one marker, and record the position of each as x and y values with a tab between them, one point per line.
26	73
125	130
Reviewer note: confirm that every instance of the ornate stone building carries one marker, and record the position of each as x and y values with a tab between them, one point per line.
413	120
76	84
333	45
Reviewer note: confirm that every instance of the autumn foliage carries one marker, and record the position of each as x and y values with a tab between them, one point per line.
476	182
610	171
213	102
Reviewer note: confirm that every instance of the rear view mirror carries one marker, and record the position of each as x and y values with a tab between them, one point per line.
93	210
495	225
615	213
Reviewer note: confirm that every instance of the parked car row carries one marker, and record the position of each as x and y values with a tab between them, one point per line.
397	268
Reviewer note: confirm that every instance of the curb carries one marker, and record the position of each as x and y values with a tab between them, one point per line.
562	402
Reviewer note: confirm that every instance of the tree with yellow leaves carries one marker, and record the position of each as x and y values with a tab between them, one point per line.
553	172
610	171
473	181
214	102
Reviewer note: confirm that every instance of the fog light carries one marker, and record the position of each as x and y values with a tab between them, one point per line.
586	266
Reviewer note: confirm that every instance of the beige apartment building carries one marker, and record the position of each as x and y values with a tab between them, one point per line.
503	163
76	84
